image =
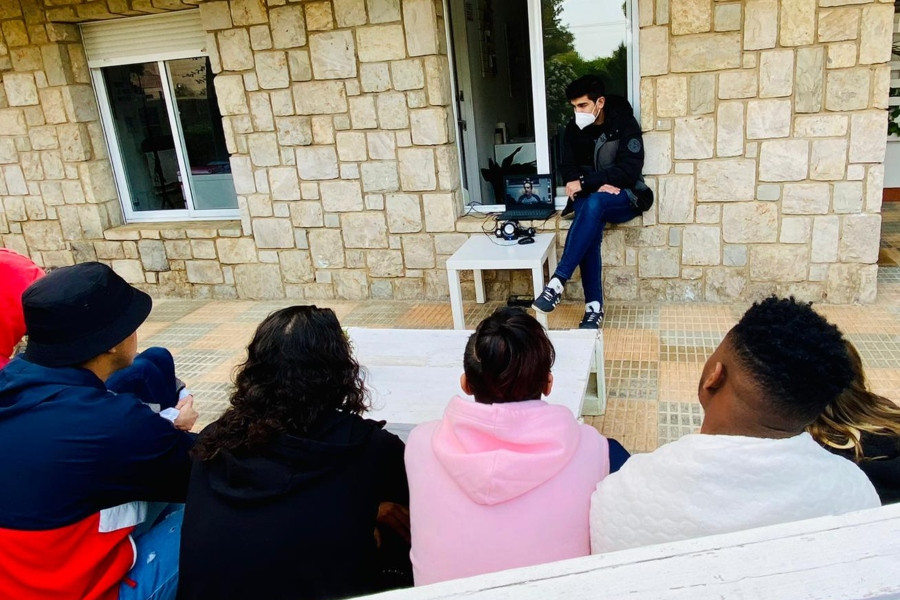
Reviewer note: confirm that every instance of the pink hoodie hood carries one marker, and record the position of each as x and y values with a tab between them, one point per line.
497	452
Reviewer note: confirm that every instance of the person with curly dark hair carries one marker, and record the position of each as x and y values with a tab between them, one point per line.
864	427
752	464
289	485
504	481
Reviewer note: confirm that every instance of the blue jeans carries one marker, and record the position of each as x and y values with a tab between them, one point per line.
155	571
592	213
151	378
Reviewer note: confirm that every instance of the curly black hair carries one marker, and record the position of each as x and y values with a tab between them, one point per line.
508	358
588	85
299	369
799	359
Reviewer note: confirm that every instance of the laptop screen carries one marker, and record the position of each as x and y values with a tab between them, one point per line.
523	191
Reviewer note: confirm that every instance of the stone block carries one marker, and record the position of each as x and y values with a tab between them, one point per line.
272	70
333	55
810	80
676	199
341	196
317	162
153	255
732	180
701	245
392	111
671	96
760	24
381	145
20	89
234	50
260	37
705	52
362	112
351	285
783	160
848	197
417	169
293	131
841	55
875	34
778	262
874	188
867	139
380	43
320	97
828	159
820	126
806	199
658	262
263	149
374	77
384	263
258	282
703	94
837	24
420	23
694	137
418	251
306	214
727	17
795	230
690	16
273	233
776	73
657	153
655	51
203	249
860	236
404	213
735	255
326	248
768	119
204	271
319	16
730	129
248	12
441	212
231	96
750	222
43	235
737	84
283	183
129	270
364	230
299	66
429	126
798	22
847	89
296	266
235	251
215	15
408	74
351	145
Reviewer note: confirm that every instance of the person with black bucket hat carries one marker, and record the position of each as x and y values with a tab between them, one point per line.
83	463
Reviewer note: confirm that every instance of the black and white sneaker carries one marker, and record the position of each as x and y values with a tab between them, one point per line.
591	319
549	298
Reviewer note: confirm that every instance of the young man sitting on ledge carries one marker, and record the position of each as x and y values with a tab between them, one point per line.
603	155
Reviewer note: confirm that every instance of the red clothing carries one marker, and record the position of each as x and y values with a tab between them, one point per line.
16	273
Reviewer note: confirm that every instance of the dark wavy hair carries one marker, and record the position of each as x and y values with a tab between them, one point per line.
299	368
508	358
798	359
587	85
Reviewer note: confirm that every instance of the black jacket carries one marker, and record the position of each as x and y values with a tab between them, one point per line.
293	521
881	464
611	153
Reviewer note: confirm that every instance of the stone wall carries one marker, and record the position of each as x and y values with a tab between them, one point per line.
765	132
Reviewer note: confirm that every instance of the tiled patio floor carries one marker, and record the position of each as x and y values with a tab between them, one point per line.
653	352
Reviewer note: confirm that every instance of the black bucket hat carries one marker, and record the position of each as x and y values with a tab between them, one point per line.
76	313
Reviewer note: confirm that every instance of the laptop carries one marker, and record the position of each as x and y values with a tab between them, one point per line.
528	197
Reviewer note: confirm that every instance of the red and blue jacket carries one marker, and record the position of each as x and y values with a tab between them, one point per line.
79	463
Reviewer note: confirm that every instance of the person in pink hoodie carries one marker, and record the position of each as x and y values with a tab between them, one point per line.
17	272
504	481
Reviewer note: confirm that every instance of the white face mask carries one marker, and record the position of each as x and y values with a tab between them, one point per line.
583	119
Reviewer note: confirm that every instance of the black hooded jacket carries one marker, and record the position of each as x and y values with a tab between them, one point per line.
610	153
295	520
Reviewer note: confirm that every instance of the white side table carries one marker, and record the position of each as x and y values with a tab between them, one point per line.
481	252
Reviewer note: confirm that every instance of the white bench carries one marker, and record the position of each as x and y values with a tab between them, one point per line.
848	557
413	373
481	252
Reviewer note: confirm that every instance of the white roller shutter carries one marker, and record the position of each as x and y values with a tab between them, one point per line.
140	39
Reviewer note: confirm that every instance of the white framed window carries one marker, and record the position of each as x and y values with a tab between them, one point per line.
161	119
511	61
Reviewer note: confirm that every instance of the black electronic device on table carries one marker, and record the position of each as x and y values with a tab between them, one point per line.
528	197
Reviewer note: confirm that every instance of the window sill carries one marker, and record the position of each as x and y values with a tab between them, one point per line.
170	230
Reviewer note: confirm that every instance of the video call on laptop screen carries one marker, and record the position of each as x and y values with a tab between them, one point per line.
529	190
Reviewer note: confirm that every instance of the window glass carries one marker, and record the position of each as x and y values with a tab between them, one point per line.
581	37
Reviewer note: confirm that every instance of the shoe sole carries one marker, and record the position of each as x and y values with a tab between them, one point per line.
543	312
